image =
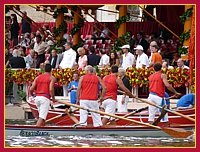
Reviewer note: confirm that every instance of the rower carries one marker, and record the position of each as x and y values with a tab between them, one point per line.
186	101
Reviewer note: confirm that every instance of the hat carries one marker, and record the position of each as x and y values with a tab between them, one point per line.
50	42
126	46
139	47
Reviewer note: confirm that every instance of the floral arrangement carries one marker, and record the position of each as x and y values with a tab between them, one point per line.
138	77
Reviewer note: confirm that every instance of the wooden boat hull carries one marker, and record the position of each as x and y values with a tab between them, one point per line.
142	116
134	131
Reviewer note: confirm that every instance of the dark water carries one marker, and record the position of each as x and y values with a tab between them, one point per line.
92	141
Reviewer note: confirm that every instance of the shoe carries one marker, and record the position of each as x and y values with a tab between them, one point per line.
9	104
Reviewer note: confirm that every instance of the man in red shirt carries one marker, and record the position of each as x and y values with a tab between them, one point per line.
157	83
87	95
112	83
43	86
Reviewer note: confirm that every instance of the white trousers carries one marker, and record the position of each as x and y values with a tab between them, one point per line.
152	109
96	118
109	106
43	105
122	107
65	93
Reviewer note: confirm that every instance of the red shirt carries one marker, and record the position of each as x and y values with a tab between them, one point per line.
89	87
111	86
42	85
156	84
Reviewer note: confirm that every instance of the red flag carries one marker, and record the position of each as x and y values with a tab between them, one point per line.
191	49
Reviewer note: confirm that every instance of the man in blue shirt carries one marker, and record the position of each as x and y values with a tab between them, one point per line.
72	88
186	101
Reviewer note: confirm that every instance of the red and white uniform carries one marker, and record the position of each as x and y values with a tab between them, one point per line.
89	99
156	95
109	105
43	94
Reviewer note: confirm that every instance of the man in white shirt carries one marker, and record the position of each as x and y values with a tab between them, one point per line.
128	58
180	64
104	59
142	59
68	61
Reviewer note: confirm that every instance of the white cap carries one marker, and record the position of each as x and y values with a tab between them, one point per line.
139	47
50	42
126	46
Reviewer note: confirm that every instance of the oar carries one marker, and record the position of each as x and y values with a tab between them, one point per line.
64	114
175	132
174	112
56	117
132	113
151	103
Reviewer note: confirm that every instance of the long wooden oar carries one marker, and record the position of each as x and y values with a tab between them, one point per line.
175	132
174	112
151	103
132	113
70	114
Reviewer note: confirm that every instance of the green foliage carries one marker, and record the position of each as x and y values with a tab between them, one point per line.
186	15
77	27
21	93
125	37
183	50
122	20
58	11
184	36
60	29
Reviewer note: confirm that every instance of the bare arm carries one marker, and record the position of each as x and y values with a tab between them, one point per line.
33	87
103	89
122	86
7	63
79	90
51	88
169	87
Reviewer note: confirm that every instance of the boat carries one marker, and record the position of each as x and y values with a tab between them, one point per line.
61	118
131	127
119	130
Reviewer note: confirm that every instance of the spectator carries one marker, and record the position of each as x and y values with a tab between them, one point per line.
26	23
68	61
82	60
128	58
36	61
30	59
166	65
142	59
72	88
120	57
16	62
14	28
156	57
54	59
176	56
93	59
142	41
32	40
40	47
26	41
114	60
150	47
180	64
104	61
